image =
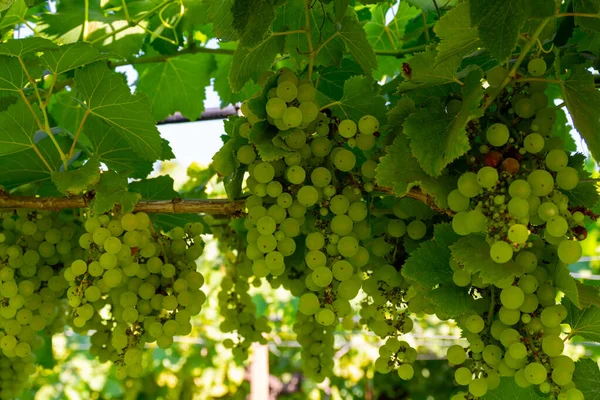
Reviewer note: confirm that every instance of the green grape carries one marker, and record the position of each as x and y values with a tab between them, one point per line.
535	373
296	140
556	160
463	376
518	233
112	245
561	377
309	111
396	228
325	317
525	108
406	372
541	101
348	246
496	76
527	283
320	177
458	202
112	277
308	196
550	317
347	128
342	270
461	278
547	211
246	154
357	211
569	251
492	354
517	350
339	204
100	235
320	146
344	160
536	66
512	297
292	117
274	189
79	267
557	226
287	91
564	363
306	92
416	229
553	345
497	135
520	189
487	177
567	178
263	172
541	182
341	225
456	355
368	125
474	323
468	185
315	259
365	142
308	304
322	276
478	387
501	252
533	143
315	241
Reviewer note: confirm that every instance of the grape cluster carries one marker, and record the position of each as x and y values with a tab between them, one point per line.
516	194
34	247
146	281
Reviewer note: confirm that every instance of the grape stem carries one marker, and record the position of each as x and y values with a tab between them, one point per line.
490	316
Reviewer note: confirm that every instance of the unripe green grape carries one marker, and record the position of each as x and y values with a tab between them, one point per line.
561	377
519	188
287	91
308	304
322	276
306	92
525	108
501	252
487	177
365	142
492	354
347	128
416	229
541	101
396	228
518	233
535	373
512	297
534	143
458	202
463	376
528	283
341	225
556	160
342	270
536	66
541	182
517	350
112	245
325	317
320	146
368	125
468	185
547	211
553	345
344	160
292	117
406	372
461	278
557	226
567	178
368	169
496	76
309	111
320	177
456	354
246	154
476	221
569	251
275	108
478	387
308	196
474	323
497	134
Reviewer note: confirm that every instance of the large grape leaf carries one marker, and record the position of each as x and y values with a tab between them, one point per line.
15	14
22	47
583	101
12	76
444	235
225	162
585	323
499	23
177	84
112	190
457	37
252	19
108	97
264	137
426	74
587	378
161	188
588	295
71	56
331	79
249	62
438	138
361	97
429	265
74	182
221	80
399	170
18	127
450	301
219	13
508	389
355	38
591	7
563	280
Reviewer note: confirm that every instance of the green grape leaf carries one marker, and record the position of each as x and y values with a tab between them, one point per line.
263	135
12	76
429	265
588	295
361	97
430	6
457	38
21	47
587	7
499	23
563	280
562	129
542	8
340	7
71	56
112	190
113	150
108	97
219	13
331	79
438	138
178	84
15	14
18	127
161	188
585	323
583	100
221	80
252	19
397	115
380	36
444	235
407	207
399	170
473	252
6	4
249	62
450	301
26	166
426	74
355	38
225	162
587	378
74	182
508	389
